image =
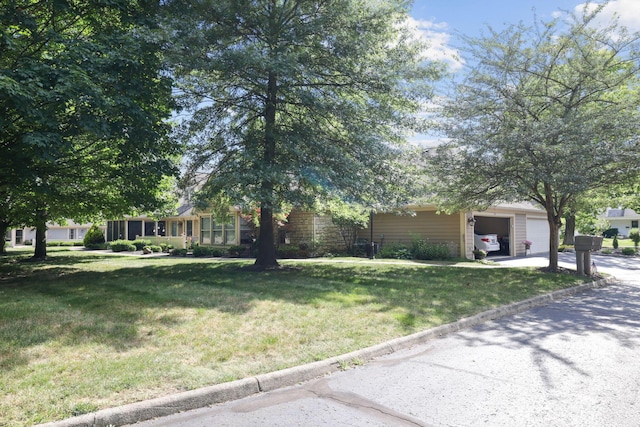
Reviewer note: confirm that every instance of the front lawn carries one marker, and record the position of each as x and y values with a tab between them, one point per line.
86	331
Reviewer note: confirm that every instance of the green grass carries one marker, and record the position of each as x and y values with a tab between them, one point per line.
622	243
84	331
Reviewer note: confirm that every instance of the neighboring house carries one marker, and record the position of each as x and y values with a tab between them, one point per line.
622	219
69	232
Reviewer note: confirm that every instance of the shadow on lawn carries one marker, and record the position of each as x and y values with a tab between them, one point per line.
58	300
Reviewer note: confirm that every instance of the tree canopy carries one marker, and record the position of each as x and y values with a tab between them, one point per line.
295	100
83	109
546	114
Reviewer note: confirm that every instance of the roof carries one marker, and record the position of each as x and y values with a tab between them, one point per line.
621	213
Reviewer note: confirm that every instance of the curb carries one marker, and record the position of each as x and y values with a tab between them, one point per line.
208	396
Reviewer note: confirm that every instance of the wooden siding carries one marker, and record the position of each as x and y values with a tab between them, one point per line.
520	233
391	228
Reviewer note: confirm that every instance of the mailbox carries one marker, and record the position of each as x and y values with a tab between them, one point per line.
588	243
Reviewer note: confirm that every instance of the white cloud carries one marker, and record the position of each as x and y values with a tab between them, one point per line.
438	39
626	11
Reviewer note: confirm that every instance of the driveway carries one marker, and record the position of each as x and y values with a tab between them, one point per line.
570	363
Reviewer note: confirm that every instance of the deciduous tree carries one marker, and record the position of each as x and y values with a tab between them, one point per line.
546	114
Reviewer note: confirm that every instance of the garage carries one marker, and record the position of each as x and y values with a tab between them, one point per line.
538	234
495	225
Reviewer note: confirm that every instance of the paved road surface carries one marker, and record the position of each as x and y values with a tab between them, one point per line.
574	362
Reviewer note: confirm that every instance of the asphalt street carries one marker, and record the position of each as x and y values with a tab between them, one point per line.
572	362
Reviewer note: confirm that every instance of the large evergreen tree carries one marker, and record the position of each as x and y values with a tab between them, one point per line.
294	100
82	109
546	114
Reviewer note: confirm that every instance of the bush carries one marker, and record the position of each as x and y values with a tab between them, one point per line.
237	250
155	248
610	233
122	246
615	242
634	234
166	247
95	236
207	251
424	250
565	248
178	252
140	244
97	246
628	251
395	251
289	251
53	243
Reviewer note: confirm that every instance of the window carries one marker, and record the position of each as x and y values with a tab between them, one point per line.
115	230
149	228
205	230
174	228
246	231
189	228
162	228
634	224
72	234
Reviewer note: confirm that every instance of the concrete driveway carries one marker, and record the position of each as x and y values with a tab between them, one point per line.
573	362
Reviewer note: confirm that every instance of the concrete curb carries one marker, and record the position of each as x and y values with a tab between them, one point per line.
207	396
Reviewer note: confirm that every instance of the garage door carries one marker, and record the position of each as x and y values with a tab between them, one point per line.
538	234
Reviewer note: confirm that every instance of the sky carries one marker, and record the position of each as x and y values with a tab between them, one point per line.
440	20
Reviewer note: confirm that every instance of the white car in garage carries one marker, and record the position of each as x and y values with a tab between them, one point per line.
486	242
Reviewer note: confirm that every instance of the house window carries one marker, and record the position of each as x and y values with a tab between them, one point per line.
174	228
189	228
162	228
115	230
149	228
246	231
225	234
205	230
634	224
72	234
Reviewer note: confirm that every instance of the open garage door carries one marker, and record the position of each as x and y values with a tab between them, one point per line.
538	235
495	225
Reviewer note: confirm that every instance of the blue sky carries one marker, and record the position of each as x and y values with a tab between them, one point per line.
439	20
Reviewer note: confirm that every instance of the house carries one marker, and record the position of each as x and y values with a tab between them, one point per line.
70	231
622	219
513	223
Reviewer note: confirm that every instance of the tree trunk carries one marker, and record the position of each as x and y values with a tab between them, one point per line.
570	229
3	231
266	247
41	235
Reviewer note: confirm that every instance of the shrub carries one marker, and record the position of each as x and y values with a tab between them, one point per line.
122	246
424	250
565	248
207	251
628	251
634	234
155	248
395	251
289	251
609	233
166	247
615	242
94	236
606	251
28	242
236	250
178	252
53	243
140	243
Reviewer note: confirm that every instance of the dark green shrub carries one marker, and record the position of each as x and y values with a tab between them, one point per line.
155	248
609	233
289	251
28	242
53	243
140	243
97	246
166	247
122	246
424	250
178	252
565	248
634	234
395	251
615	241
95	236
236	250
628	251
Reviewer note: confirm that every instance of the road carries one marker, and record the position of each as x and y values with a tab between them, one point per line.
570	363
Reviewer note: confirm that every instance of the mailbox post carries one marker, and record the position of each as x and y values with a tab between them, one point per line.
584	245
